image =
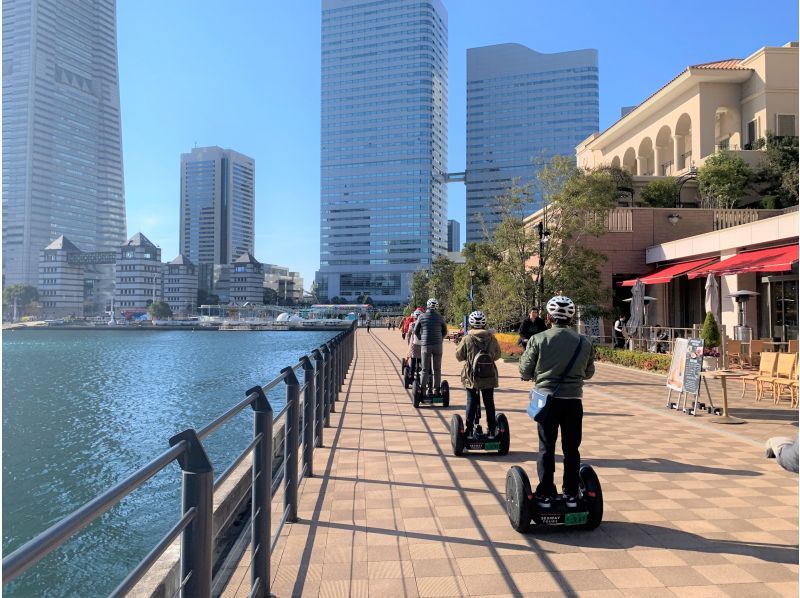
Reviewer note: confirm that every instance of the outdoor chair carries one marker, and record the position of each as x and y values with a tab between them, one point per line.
756	349
781	385
734	352
765	368
794	346
784	370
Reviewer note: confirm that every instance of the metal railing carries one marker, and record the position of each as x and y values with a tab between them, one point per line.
320	390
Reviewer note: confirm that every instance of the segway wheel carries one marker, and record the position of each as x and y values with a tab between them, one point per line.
403	366
505	434
518	505
592	494
457	434
445	390
407	378
417	392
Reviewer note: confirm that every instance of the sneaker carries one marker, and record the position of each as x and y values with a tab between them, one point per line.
543	502
478	431
492	435
469	432
570	501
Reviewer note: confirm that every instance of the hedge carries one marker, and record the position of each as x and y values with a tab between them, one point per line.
653	362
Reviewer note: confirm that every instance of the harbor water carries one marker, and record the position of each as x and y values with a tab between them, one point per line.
83	409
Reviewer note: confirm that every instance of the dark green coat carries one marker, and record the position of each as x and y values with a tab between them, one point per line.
474	341
548	354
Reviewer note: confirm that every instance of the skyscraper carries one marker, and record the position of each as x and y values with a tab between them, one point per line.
453	235
522	106
62	147
384	145
217	208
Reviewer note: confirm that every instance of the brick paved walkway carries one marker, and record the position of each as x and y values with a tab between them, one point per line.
691	508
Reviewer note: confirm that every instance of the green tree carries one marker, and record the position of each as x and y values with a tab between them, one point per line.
723	180
778	176
710	332
623	180
270	296
206	298
27	298
159	310
419	287
440	285
660	193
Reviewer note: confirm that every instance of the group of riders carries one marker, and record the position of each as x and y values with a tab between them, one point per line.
556	358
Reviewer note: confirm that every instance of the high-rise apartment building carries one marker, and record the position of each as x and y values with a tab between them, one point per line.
384	145
62	146
523	107
217	208
453	235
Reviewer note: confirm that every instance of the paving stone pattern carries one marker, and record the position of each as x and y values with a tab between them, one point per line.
691	508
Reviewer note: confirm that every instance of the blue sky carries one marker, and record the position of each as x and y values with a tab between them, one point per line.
244	75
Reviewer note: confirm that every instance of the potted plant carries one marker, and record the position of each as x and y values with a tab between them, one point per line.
711	342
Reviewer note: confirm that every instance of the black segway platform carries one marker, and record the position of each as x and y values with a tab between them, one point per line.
479	441
408	371
425	398
522	510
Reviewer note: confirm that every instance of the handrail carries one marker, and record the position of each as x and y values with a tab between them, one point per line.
320	390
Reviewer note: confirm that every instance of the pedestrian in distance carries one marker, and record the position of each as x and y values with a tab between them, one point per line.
368	323
618	333
531	325
430	328
558	361
479	350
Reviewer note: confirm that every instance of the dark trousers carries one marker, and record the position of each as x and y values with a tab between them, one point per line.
473	401
568	415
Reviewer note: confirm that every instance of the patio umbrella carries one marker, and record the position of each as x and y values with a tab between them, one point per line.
712	296
636	320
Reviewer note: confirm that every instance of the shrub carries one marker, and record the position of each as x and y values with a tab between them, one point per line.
710	332
653	362
508	344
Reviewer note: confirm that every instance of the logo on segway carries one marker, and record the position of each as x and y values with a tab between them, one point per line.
554	519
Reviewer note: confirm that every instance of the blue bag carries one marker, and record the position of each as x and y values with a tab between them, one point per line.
540	401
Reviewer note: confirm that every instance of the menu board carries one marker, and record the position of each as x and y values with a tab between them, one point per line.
694	365
677	368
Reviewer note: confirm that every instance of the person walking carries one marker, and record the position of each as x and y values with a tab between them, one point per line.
558	361
531	325
430	328
618	334
479	350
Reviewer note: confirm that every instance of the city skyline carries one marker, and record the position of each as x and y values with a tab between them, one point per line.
269	109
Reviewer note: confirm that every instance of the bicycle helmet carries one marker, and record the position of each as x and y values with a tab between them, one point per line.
477	319
561	308
432	304
417	313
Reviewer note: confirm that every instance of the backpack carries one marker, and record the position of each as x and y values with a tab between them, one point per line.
482	366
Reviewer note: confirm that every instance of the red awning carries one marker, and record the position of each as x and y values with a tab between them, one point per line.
773	259
667	273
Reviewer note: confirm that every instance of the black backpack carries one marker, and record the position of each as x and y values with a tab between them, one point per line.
482	366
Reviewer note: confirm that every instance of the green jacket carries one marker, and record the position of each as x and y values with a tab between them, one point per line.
548	354
474	341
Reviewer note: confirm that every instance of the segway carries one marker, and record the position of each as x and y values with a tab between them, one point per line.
429	398
522	510
408	371
479	441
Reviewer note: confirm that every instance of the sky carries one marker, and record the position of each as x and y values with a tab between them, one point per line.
245	75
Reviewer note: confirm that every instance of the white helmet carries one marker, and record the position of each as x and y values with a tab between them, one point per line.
477	319
432	304
417	313
561	308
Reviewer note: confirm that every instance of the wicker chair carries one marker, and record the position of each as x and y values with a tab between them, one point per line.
766	367
794	346
784	371
734	351
756	349
781	384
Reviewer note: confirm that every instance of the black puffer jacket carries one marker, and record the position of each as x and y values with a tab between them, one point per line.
430	329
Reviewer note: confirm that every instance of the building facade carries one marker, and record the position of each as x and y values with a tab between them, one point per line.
62	146
217	221
180	286
61	281
245	280
523	107
288	285
383	145
453	235
138	275
726	105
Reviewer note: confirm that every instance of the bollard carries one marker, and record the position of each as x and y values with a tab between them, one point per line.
320	393
308	416
292	436
197	493
261	509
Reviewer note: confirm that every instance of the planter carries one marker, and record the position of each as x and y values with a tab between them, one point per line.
710	363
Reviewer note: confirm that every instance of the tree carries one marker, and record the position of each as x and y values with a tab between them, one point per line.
622	179
419	287
206	298
159	310
778	176
440	285
27	298
270	296
723	180
661	193
710	332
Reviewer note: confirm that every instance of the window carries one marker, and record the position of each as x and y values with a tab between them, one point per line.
785	125
752	134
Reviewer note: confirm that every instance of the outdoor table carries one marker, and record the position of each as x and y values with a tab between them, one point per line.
723	375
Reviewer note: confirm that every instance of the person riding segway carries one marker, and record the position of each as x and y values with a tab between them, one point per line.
430	328
479	350
558	361
410	363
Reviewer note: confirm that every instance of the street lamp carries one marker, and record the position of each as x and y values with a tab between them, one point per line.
543	236
471	289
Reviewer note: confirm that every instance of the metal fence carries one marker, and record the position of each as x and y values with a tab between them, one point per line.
324	373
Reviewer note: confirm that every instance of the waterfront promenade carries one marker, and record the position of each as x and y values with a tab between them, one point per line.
691	508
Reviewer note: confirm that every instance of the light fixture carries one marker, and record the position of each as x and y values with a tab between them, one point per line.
674	219
472	272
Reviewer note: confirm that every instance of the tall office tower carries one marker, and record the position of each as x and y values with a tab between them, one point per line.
218	204
62	146
453	235
384	145
523	107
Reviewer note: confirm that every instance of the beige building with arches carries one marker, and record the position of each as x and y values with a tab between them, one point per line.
729	104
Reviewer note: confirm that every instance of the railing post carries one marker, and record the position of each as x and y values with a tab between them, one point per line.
292	440
326	370
330	376
261	509
319	369
308	416
198	494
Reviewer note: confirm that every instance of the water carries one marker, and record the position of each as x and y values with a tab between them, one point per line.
83	409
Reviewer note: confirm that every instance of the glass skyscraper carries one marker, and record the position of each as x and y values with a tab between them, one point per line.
217	208
523	107
384	145
62	146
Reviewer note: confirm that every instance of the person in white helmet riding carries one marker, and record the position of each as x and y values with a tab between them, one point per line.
430	328
479	350
558	360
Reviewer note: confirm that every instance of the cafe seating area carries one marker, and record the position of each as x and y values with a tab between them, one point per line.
776	374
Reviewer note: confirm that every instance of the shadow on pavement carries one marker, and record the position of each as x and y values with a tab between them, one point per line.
659	465
774	414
